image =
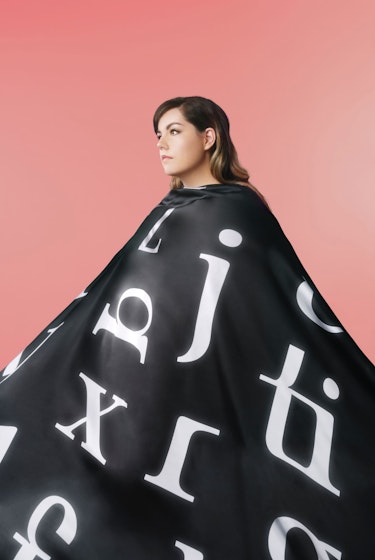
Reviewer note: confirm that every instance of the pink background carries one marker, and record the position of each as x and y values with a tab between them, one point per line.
79	81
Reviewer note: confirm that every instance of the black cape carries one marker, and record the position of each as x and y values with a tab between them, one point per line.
198	401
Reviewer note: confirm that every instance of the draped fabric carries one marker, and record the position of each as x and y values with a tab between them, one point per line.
199	400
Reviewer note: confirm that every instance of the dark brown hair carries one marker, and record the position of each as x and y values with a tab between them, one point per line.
204	113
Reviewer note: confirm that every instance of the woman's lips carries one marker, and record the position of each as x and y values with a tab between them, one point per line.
163	158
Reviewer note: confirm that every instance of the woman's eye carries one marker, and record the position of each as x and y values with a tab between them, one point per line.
174	131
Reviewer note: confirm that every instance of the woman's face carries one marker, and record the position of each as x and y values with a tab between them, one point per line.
184	151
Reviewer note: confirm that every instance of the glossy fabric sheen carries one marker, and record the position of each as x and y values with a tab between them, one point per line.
198	401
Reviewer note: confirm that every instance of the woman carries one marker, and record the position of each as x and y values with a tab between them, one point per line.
199	130
199	400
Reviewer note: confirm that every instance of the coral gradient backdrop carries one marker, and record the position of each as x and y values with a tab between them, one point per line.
79	81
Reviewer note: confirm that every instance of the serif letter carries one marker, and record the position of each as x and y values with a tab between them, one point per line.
189	552
277	539
7	435
144	246
304	297
18	361
169	477
318	468
121	331
66	531
92	418
216	274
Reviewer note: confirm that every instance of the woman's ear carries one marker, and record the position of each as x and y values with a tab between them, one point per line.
209	138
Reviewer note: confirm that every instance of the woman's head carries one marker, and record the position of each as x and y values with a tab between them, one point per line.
212	126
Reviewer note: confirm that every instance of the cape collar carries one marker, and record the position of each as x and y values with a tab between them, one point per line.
182	196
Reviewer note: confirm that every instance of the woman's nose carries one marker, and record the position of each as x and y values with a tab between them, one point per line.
161	143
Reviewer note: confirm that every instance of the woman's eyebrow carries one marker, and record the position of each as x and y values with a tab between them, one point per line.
171	124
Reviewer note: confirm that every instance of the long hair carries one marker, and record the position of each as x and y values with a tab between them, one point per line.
204	113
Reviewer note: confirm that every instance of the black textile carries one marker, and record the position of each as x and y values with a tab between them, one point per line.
199	400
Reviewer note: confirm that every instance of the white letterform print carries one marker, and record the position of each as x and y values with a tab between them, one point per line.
216	274
117	328
67	530
305	296
92	418
144	245
82	295
277	540
169	477
7	435
189	553
318	469
16	363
